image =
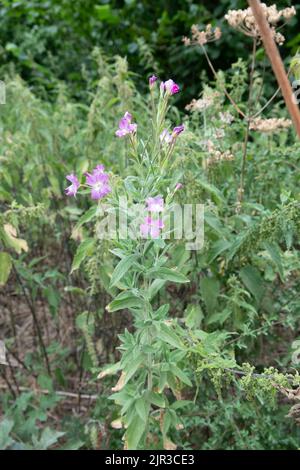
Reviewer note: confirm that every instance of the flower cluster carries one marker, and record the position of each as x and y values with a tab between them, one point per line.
270	125
97	182
153	225
168	138
169	87
244	20
126	126
210	34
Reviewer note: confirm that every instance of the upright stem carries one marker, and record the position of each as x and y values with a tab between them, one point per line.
247	131
276	62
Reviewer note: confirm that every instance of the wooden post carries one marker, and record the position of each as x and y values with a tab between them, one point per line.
276	62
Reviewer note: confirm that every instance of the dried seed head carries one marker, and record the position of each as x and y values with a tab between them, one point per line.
210	34
245	22
270	125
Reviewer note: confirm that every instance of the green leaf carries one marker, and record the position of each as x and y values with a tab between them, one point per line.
219	317
178	404
165	333
275	255
105	14
180	374
84	250
124	300
209	288
217	248
193	316
121	269
87	216
5	267
6	426
167	421
142	407
252	279
135	432
48	438
157	399
168	275
155	287
216	195
133	366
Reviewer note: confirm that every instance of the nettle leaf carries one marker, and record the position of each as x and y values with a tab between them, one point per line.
125	300
169	275
121	269
253	280
84	250
275	255
209	288
5	267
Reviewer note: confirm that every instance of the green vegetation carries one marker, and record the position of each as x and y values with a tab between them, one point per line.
141	343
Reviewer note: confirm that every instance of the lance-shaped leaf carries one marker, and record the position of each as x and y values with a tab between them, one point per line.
121	269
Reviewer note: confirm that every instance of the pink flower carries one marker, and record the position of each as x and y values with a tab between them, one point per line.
152	80
125	126
98	182
165	137
178	186
151	227
155	204
99	170
73	188
177	130
171	87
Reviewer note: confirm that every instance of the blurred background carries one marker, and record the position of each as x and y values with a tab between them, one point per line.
46	41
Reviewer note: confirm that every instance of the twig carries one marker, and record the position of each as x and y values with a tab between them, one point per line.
247	132
47	392
253	374
276	62
223	88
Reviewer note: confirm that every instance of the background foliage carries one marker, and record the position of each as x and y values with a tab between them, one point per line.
241	306
148	33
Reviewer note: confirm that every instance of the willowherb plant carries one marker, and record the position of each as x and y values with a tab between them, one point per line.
151	371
